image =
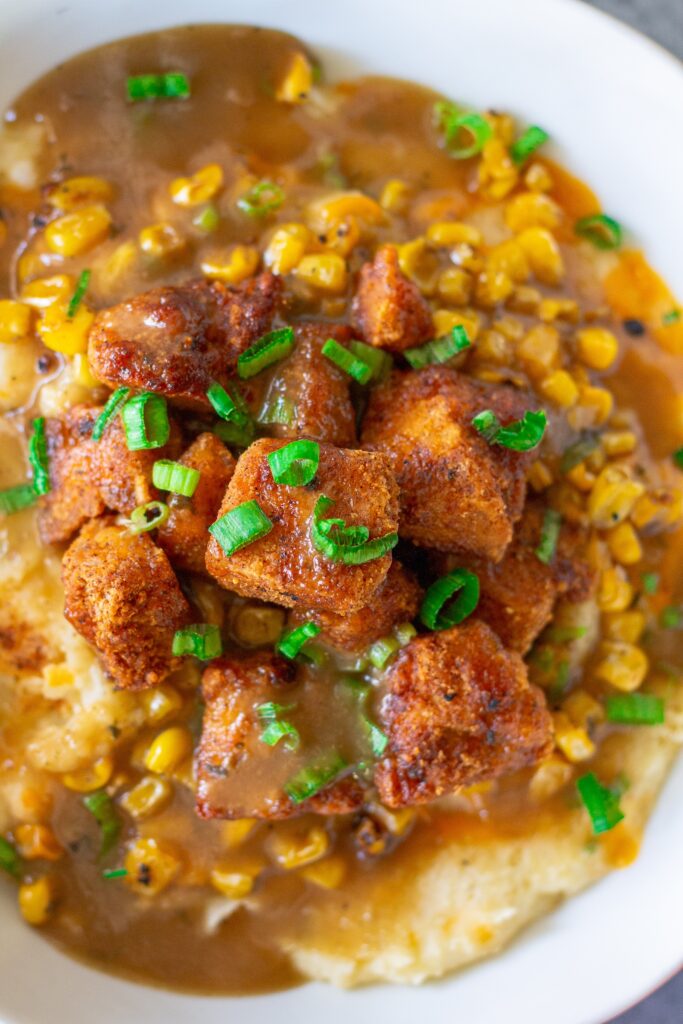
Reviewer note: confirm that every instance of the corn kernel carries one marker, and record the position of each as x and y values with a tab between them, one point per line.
76	233
618	442
160	241
573	741
445	320
583	710
61	333
150	796
524	299
622	665
89	779
232	883
532	210
298	82
234	833
395	196
294	851
549	778
538	178
615	593
287	247
581	477
503	126
168	750
161	703
37	899
75	192
399	821
624	545
151	867
121	262
543	254
455	286
233	267
82	373
560	388
596	347
626	626
539	350
595	407
335	208
445	234
37	842
419	264
328	873
539	476
497	172
658	509
342	236
493	347
46	290
199	187
566	310
325	271
613	497
15	320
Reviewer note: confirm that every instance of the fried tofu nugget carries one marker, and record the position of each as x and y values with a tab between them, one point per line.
388	309
396	600
123	597
239	775
284	567
185	534
176	340
458	710
458	492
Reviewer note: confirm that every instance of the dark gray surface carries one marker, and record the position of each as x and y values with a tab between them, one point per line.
663	21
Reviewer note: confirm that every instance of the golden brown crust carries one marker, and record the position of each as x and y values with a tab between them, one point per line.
388	309
122	595
457	491
284	567
459	710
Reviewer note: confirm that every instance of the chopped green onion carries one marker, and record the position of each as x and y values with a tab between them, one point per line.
291	643
203	641
528	143
296	463
114	873
579	451
37	457
348	544
671	618
263	198
231	407
405	632
456	124
383	649
145	421
10	861
379	741
240	526
171	85
270	710
102	808
113	405
173	476
276	731
600	230
347	361
550	534
678	457
600	802
650	582
635	709
379	361
439	350
234	434
277	408
14	499
207	219
565	634
148	517
267	350
77	297
672	317
315	777
520	435
437	611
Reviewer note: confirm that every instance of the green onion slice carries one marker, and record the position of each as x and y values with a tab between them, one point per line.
600	230
235	434
277	408
550	534
347	361
37	457
383	649
169	86
267	350
379	361
678	457
438	611
672	317
348	544
650	582
528	143
439	350
277	728
148	517
114	873
465	133
671	617
207	219
173	476
579	451
520	435
600	802
295	464
203	641
263	198
14	499
10	861
314	777
240	526
229	406
79	292
564	634
635	709
114	403
291	643
379	741
405	632
102	808
271	710
145	421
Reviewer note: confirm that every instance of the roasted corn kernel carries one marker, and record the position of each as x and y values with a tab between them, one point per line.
658	509
581	477
150	796
497	172
234	833
89	779
78	232
82	373
445	234
61	333
618	442
37	899
234	266
254	625
539	476
538	178
297	83
232	882
161	703
566	310
622	665
596	347
549	778
615	593
539	350
335	208
583	710
341	236
328	873
168	750
626	626
572	740
532	210
493	347
15	320
160	241
559	388
326	272
624	545
287	247
543	254
445	320
199	187
293	850
75	192
613	497
594	407
420	264
46	290
455	286
37	842
151	867
395	196
524	299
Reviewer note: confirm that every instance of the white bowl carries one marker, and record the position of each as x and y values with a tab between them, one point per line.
614	105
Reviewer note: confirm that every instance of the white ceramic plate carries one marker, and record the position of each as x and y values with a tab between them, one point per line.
614	104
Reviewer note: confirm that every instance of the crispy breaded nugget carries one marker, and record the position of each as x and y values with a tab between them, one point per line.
457	490
176	340
185	534
388	309
458	710
121	594
284	567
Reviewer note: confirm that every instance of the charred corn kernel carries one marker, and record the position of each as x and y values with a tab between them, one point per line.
624	545
445	320
613	497
121	262
624	666
524	299
46	290
89	779
615	593
572	740
493	347
510	327
298	82
76	233
532	210
234	266
151	867
234	833
63	334
82	373
199	187
582	709
595	406
333	209
539	350
328	873
287	247
581	477
498	174
342	236
419	264
231	882
15	320
455	286
658	509
161	703
291	851
618	442
559	387
168	750
75	192
447	233
625	626
36	900
538	178
150	796
558	309
398	822
596	347
395	196
543	254
549	778
37	842
539	476
160	241
325	272
254	625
